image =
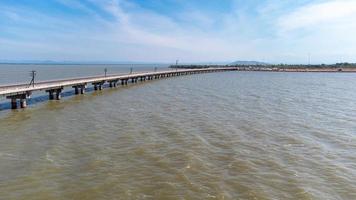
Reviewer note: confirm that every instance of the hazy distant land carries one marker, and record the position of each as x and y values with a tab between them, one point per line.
259	66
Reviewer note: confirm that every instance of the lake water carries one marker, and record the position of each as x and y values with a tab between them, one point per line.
230	135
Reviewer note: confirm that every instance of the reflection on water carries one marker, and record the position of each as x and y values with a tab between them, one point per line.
233	135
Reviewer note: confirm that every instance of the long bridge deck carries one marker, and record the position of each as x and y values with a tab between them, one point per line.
22	92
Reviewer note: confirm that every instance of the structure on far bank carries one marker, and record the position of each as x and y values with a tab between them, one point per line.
338	67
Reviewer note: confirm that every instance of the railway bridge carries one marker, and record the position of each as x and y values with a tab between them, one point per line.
19	93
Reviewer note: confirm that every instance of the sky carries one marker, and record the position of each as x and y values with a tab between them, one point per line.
272	31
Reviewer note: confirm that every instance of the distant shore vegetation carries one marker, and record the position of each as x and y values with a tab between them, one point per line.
336	66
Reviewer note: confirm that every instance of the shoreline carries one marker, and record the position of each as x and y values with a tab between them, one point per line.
274	68
326	70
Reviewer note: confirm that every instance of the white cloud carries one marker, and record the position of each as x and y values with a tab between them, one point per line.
328	13
152	29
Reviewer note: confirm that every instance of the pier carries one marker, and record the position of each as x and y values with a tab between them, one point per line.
19	93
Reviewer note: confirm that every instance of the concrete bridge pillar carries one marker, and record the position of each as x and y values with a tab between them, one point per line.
13	103
50	94
98	85
55	94
124	81
23	103
113	83
76	90
23	100
79	89
82	89
58	95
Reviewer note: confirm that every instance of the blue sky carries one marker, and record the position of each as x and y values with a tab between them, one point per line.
275	31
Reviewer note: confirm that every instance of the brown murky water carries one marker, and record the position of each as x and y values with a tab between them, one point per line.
234	135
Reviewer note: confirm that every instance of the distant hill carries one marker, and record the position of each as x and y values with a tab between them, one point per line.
248	63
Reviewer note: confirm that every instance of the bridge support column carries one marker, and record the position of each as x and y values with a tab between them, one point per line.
50	94
76	90
113	83
98	85
58	94
13	103
55	94
82	89
23	103
79	89
23	100
124	81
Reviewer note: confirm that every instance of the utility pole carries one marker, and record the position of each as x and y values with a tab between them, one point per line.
177	64
33	75
309	59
